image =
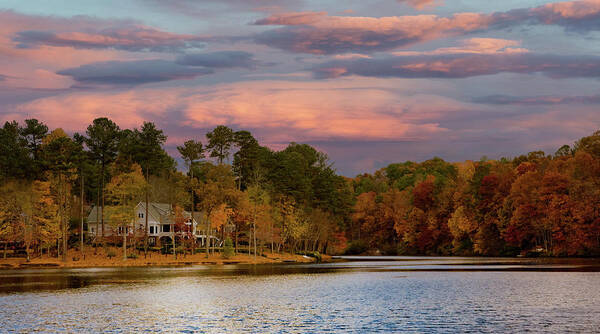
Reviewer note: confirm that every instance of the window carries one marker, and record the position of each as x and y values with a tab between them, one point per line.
141	215
166	228
151	229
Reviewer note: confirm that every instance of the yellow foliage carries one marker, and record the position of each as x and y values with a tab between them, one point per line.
460	224
55	134
219	216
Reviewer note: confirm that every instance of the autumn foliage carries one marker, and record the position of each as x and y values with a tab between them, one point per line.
535	203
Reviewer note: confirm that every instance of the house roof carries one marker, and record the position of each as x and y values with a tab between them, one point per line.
95	212
158	212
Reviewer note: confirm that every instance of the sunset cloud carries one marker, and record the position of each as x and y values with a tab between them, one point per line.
420	4
319	33
452	66
128	38
537	100
293	19
292	112
473	46
220	59
83	32
133	72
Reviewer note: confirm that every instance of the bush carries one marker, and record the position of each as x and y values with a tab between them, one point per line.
315	254
228	250
356	247
166	249
389	249
132	256
111	253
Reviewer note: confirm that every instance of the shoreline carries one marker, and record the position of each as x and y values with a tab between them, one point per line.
100	260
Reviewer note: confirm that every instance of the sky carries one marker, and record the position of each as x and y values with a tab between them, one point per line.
369	82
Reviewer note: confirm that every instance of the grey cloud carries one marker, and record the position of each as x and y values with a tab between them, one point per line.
307	39
463	66
128	38
220	59
133	72
536	100
318	33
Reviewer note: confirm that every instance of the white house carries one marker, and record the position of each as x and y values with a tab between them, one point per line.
160	224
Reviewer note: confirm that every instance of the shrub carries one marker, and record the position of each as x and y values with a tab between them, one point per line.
132	256
389	249
228	249
315	254
356	247
111	253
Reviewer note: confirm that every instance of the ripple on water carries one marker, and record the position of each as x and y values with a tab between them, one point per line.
296	301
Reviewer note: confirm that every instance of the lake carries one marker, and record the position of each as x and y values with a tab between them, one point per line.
364	294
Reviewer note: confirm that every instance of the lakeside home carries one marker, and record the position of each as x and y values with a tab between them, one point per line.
161	225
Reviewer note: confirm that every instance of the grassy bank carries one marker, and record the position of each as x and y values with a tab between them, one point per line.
76	259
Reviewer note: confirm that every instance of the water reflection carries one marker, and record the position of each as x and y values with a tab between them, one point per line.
382	294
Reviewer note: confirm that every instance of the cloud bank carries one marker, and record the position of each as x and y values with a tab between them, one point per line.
319	33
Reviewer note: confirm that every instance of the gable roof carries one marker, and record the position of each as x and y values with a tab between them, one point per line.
158	212
94	212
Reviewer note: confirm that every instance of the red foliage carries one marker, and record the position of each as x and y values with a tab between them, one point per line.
423	195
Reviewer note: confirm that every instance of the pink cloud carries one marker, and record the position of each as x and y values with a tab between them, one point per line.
294	111
553	12
129	38
318	33
463	65
36	67
83	32
292	19
420	4
473	46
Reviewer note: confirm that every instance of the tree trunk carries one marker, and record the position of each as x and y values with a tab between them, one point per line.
124	242
254	230
173	234
81	230
206	239
193	210
146	231
97	223
102	207
27	247
63	219
271	225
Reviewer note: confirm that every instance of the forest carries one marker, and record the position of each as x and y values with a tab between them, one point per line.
293	200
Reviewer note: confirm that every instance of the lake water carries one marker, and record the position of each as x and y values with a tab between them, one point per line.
386	294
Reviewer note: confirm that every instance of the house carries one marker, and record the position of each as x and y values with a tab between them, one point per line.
161	223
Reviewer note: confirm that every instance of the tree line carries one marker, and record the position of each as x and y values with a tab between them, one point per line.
291	200
536	203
